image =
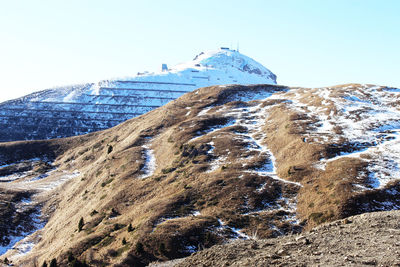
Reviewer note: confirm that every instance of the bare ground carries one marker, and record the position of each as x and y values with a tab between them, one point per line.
370	239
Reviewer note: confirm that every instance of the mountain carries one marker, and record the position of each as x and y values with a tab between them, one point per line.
85	108
361	240
218	164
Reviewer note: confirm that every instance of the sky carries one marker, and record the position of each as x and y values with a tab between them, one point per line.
310	43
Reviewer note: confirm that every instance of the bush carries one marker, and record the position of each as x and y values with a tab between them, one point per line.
162	249
139	248
112	252
109	149
53	263
44	264
124	241
168	170
94	212
73	262
71	257
118	226
130	228
80	224
103	184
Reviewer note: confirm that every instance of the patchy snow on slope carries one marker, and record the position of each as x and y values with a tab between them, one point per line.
36	224
213	129
13	177
237	233
251	119
23	242
255	136
150	162
365	115
55	180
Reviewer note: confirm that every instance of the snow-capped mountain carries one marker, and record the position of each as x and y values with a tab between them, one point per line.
80	109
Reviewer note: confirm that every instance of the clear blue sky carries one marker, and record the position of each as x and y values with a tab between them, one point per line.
304	42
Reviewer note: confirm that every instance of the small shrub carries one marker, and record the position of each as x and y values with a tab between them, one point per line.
94	212
168	170
71	257
53	263
112	252
44	264
109	149
139	248
124	241
107	241
162	249
118	226
88	157
103	184
130	228
94	241
80	224
157	179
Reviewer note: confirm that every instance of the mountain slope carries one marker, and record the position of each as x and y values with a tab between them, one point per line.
80	109
217	164
363	240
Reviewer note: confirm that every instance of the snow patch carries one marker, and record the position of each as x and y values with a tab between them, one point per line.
150	162
237	232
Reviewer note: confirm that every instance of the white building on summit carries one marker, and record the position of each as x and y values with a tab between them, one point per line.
80	109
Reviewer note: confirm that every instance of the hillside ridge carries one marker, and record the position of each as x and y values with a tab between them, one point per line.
217	164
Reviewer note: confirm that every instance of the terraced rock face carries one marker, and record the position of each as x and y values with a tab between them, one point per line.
219	164
81	109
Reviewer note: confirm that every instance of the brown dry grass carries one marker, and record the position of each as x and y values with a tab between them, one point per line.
110	196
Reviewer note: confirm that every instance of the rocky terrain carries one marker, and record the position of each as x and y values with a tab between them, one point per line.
85	108
370	239
219	164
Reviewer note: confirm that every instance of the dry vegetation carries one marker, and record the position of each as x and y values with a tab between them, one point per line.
130	219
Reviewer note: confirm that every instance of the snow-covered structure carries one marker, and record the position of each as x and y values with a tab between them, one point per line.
80	109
